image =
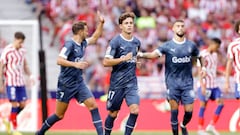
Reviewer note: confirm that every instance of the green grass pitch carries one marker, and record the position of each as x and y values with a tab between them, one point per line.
116	133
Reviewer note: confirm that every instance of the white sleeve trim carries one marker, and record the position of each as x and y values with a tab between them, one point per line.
62	53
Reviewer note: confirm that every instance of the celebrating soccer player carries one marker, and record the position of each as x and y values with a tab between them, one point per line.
12	68
179	54
70	81
122	55
208	88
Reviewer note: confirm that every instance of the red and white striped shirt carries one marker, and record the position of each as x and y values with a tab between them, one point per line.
13	60
234	54
210	62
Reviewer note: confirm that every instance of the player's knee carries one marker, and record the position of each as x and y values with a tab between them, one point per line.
113	113
14	104
134	109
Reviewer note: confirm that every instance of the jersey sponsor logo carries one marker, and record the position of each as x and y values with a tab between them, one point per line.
185	59
78	59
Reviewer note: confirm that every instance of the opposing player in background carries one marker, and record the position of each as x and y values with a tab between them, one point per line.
179	54
208	88
122	56
70	81
13	68
234	59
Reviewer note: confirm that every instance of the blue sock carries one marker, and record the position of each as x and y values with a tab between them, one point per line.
174	121
130	123
201	112
109	124
97	121
48	123
186	118
219	109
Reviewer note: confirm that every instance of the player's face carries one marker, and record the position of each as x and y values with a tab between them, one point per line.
127	25
84	33
179	29
18	43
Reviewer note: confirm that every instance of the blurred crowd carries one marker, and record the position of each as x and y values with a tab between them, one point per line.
204	19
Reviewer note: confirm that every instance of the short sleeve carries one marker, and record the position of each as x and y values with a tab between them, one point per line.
111	50
66	50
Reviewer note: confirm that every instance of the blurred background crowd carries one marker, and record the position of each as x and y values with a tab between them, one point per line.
204	19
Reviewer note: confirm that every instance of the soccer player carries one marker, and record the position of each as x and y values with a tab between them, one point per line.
121	55
179	54
208	88
233	58
13	67
70	81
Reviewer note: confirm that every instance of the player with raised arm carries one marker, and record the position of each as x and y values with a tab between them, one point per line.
70	81
121	55
233	55
13	67
179	54
208	89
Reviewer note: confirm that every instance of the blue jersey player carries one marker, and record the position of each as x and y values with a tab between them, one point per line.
179	54
121	56
70	80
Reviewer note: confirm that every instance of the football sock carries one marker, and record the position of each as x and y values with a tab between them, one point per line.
201	117
174	121
13	116
130	124
97	121
186	118
48	123
109	124
217	113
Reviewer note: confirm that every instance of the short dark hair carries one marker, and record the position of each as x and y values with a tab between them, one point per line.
216	40
78	26
19	35
125	16
236	27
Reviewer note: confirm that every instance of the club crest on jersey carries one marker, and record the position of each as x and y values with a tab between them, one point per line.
185	59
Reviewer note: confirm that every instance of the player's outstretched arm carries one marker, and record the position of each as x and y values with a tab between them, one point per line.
98	31
109	62
148	55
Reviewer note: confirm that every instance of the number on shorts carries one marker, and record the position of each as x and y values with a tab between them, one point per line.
208	94
111	94
61	94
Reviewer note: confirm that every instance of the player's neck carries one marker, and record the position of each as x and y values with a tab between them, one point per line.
15	45
77	39
127	36
209	49
179	39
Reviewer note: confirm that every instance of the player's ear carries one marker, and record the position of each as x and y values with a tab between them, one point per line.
120	26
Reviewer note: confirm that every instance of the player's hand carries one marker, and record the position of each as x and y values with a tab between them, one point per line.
203	73
32	80
2	89
101	19
127	57
81	64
